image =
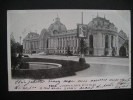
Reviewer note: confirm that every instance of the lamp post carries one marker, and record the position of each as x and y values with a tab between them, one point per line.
82	34
20	39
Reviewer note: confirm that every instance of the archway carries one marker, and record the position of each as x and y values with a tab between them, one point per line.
91	44
112	39
106	41
47	44
122	51
106	45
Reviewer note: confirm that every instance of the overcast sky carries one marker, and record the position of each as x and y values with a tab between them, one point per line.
20	22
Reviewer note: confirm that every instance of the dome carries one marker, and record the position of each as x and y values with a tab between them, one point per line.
57	27
101	23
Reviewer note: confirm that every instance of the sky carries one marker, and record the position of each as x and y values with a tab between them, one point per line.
21	22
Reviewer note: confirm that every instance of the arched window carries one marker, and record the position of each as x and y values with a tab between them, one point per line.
47	44
91	44
106	41
112	41
55	32
122	51
91	41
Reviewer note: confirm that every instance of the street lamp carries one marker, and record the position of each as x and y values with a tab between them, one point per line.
20	39
82	34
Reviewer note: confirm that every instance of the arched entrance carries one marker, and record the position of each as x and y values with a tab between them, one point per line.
91	49
47	44
122	51
106	45
112	39
112	46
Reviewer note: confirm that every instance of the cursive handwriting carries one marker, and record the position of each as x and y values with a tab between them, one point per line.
71	84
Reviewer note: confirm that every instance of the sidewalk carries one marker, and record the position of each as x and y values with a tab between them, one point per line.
90	60
99	66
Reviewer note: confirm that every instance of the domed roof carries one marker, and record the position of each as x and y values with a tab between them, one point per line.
57	27
101	23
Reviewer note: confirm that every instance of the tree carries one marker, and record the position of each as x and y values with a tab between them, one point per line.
13	53
68	52
124	50
19	48
16	48
126	45
83	49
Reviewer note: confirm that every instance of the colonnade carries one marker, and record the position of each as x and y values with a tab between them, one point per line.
59	44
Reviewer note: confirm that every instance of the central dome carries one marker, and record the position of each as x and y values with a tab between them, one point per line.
57	27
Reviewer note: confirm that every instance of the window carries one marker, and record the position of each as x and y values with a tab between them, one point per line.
91	41
112	41
106	41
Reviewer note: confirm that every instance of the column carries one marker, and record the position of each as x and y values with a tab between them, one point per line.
74	44
110	49
102	40
27	45
49	43
70	41
77	42
62	42
33	45
117	45
58	43
113	41
110	41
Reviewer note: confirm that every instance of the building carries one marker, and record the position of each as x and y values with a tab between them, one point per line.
103	39
123	44
31	43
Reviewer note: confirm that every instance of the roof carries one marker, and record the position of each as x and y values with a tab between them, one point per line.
102	23
31	35
58	26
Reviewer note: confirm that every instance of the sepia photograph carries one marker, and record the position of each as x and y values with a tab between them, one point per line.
63	50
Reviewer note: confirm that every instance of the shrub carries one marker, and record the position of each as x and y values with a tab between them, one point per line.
24	65
68	69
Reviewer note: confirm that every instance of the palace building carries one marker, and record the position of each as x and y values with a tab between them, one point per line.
103	39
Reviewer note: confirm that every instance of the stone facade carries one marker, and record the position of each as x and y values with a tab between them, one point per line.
103	39
104	34
31	43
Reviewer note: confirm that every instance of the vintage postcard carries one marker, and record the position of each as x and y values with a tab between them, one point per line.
68	50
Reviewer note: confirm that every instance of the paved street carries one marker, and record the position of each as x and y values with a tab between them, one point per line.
93	60
99	66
